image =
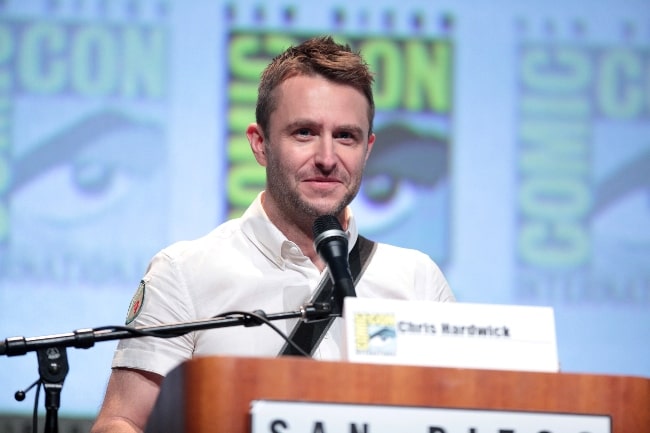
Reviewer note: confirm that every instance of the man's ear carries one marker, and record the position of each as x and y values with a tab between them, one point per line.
371	143
256	140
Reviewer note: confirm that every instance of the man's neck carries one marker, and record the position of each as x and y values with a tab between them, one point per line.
298	232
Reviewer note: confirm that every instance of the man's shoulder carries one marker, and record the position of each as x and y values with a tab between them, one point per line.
404	273
400	252
402	259
214	240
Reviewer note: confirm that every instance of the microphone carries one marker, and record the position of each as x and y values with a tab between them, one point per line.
331	244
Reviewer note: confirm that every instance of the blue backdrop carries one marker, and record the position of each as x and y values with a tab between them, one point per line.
513	147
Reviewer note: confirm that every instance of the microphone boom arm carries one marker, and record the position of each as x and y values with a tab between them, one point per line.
87	337
53	359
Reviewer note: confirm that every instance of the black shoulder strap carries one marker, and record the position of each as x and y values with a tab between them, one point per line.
308	335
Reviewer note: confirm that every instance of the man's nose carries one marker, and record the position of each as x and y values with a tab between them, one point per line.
325	154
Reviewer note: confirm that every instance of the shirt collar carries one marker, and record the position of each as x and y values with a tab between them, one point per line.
259	229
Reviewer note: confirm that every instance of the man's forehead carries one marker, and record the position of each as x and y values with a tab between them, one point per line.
293	102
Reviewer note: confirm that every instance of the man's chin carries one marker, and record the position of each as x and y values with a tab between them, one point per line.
316	204
319	208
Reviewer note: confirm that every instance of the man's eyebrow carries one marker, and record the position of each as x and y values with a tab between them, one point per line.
302	123
307	123
356	129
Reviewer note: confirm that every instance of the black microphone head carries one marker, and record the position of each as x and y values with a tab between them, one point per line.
324	223
327	226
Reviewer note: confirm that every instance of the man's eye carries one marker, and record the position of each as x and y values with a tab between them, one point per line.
303	131
347	137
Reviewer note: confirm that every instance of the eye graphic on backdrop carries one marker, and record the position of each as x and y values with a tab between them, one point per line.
403	168
629	178
91	166
385	199
620	217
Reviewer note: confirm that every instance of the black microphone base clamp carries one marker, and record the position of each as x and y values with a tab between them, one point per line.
315	311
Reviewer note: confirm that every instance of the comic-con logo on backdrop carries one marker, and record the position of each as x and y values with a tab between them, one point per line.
82	146
584	158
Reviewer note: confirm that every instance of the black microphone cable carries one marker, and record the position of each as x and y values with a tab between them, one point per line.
249	319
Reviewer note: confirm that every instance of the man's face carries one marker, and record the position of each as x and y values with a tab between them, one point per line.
317	147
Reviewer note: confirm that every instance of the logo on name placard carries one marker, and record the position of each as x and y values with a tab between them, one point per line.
375	334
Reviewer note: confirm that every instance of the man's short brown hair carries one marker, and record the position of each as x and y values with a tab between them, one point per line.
316	56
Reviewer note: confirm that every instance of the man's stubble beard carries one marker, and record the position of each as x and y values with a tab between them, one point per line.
289	200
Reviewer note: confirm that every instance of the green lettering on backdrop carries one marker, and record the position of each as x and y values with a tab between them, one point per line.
623	87
248	55
554	148
555	69
555	194
556	245
385	59
428	87
92	60
145	62
41	66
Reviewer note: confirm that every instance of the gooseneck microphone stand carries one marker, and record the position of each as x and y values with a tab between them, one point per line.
53	360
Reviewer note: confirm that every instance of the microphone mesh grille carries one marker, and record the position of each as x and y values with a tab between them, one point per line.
324	223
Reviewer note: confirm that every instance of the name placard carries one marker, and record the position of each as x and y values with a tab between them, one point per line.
287	417
462	335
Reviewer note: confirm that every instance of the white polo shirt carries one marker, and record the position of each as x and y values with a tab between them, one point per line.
247	264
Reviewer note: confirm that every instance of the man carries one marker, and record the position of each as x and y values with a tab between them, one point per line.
313	133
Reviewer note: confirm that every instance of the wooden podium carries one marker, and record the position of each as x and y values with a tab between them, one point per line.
213	394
